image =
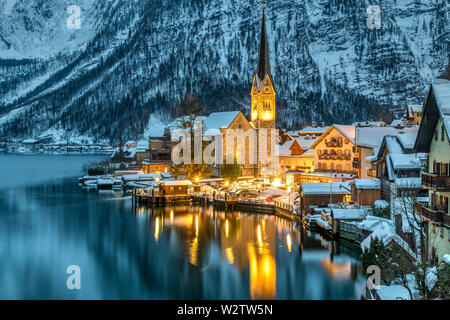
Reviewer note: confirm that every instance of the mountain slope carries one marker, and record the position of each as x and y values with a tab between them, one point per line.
120	73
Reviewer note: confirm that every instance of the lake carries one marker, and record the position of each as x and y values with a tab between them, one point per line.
48	223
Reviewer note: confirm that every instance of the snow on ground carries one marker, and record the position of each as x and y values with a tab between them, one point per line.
155	127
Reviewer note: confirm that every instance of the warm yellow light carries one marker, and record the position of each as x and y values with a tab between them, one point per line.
293	167
227	183
157	179
226	228
254	115
258	186
157	228
289	241
165	169
259	235
196	226
197	179
277	182
229	254
171	216
289	189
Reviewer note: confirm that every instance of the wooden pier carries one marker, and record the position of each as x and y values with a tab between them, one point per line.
159	198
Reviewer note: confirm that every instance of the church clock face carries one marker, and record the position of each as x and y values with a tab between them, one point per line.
266	90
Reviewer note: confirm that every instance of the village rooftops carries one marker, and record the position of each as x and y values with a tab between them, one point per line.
385	232
142	146
366	184
349	214
437	105
313	130
141	177
218	120
372	137
348	131
369	124
284	149
177	183
325	188
305	142
406	161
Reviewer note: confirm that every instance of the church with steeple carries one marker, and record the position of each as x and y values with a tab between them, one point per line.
263	105
262	119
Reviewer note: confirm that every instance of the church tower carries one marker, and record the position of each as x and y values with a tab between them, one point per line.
263	92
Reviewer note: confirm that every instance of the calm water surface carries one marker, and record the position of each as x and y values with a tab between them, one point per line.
48	222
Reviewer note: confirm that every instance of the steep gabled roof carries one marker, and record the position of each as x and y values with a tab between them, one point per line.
263	70
437	105
217	120
347	131
263	58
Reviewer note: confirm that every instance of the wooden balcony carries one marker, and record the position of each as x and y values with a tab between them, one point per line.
432	214
435	182
334	144
356	163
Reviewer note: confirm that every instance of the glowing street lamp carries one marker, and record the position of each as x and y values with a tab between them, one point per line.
197	179
227	183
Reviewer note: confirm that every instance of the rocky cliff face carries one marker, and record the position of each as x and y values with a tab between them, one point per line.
118	75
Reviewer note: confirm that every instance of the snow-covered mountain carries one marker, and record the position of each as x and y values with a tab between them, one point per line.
119	74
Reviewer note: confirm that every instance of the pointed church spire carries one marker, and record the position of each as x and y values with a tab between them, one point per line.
263	60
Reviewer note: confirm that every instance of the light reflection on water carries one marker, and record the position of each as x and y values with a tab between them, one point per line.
183	252
254	246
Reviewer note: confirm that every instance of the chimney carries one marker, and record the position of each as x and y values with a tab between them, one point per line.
398	224
323	124
313	124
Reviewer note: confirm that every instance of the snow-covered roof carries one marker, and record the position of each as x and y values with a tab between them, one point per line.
373	136
305	142
399	123
348	131
315	130
142	146
284	149
349	214
369	124
293	133
386	232
393	145
310	153
137	177
325	188
217	120
177	183
441	89
370	223
405	161
367	184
